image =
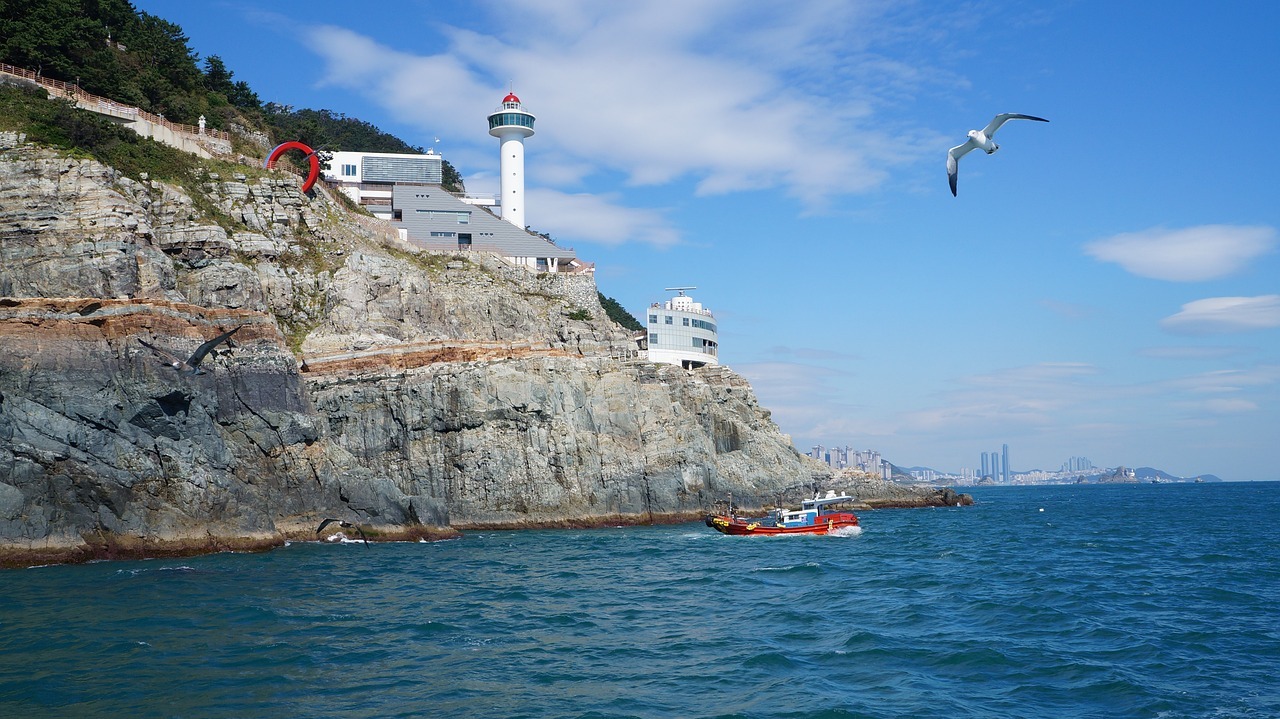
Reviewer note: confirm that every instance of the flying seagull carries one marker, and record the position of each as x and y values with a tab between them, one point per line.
347	525
980	140
190	366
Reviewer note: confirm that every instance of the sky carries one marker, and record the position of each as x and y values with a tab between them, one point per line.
1106	285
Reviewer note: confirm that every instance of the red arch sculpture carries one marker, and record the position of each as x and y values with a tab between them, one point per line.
295	145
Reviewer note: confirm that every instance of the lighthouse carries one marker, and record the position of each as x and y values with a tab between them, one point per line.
511	123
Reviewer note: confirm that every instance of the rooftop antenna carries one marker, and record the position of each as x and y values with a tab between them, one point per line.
680	289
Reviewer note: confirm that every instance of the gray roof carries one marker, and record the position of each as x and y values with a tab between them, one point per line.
425	209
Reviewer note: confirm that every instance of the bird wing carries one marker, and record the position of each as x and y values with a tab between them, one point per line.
163	353
1003	117
324	524
361	531
953	161
204	349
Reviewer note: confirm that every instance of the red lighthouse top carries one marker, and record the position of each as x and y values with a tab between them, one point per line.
511	97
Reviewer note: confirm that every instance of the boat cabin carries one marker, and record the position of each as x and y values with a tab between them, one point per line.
810	510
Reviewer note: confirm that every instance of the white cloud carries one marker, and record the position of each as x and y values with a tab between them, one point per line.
1014	399
1229	381
1190	353
731	96
1225	314
1224	405
595	218
1193	254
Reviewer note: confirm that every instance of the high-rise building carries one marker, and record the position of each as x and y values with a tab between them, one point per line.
1004	463
985	466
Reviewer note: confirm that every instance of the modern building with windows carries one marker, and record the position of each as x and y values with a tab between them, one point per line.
682	332
368	178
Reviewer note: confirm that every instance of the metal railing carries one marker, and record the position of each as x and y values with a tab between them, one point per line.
89	101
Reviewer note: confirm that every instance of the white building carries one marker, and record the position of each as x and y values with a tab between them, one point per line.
511	124
682	332
369	178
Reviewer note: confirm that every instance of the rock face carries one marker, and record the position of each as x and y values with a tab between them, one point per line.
370	381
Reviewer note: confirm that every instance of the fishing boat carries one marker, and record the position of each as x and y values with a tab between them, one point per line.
820	515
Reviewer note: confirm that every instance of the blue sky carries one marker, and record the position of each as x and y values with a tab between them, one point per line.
1106	285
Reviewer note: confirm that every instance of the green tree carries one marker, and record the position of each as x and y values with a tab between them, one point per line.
619	314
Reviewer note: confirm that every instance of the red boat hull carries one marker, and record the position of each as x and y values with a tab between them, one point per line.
826	524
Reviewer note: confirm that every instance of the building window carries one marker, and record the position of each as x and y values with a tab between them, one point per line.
348	170
653	338
442	234
686	321
653	319
668	319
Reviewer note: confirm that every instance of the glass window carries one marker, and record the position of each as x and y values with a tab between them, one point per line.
686	321
349	170
653	338
653	319
668	319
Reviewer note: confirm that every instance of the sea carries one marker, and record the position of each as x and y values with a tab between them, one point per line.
1132	600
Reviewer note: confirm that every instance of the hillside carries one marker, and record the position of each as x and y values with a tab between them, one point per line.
110	49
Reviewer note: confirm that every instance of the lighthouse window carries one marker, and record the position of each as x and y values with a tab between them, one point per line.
510	118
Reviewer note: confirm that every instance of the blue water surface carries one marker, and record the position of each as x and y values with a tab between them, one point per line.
1085	601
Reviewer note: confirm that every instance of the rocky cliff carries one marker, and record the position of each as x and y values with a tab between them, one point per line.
415	393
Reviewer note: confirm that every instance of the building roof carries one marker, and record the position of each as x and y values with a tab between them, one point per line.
429	208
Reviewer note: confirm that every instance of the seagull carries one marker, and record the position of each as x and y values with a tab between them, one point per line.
980	140
190	366
347	525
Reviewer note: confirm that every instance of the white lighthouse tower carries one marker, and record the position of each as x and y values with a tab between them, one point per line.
511	124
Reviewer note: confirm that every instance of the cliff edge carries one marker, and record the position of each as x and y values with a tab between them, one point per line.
411	392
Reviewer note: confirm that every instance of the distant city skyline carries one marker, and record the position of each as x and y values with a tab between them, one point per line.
994	464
